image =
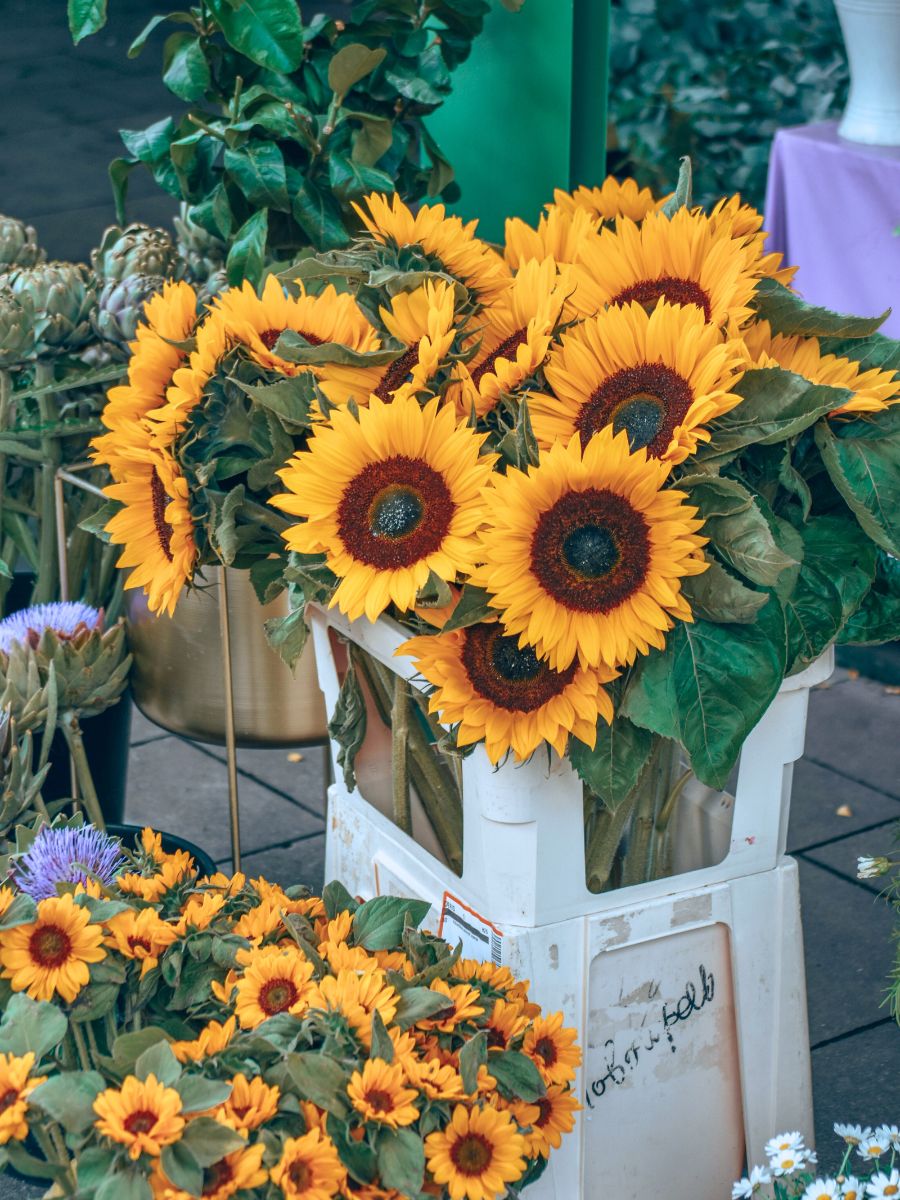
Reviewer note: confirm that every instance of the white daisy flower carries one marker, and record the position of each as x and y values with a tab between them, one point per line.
884	1187
823	1189
782	1142
750	1184
875	1144
787	1162
852	1134
868	867
851	1188
889	1134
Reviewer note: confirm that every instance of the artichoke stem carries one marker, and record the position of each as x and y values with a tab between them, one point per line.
72	733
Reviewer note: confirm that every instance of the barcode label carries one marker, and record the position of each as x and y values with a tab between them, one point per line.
480	939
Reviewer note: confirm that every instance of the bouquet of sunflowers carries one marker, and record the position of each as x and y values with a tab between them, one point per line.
167	1036
615	479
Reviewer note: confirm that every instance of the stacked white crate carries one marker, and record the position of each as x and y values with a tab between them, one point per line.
688	992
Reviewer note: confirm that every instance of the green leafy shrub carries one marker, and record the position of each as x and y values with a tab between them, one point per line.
715	81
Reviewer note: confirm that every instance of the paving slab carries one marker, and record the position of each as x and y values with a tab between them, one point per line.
817	795
841	856
849	953
303	781
302	861
856	1081
855	729
173	785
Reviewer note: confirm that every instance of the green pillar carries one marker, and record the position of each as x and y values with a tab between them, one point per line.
528	110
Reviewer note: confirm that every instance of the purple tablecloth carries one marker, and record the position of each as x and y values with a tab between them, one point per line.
831	208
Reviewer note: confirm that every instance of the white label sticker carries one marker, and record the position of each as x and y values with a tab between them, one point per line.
480	939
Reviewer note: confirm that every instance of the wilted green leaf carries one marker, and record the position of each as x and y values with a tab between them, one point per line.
348	724
352	63
288	636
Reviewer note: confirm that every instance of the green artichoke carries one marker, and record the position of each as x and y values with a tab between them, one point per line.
19	784
121	306
62	295
213	286
18	245
135	250
202	254
16	327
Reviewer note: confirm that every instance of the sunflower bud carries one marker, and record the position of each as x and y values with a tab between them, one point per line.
121	306
203	254
62	295
135	250
16	327
18	245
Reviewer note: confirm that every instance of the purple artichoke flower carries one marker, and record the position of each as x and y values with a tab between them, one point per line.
74	855
66	619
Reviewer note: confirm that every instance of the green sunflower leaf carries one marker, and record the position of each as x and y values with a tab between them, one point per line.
379	923
401	1161
348	724
517	1075
612	768
473	607
717	596
472	1056
320	1078
777	404
877	620
745	542
861	457
31	1025
787	313
69	1099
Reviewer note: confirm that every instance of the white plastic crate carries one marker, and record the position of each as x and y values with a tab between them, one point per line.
688	992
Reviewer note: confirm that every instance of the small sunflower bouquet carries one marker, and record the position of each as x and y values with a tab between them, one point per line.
615	480
166	1036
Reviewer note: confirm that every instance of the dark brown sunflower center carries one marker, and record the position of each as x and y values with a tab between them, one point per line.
546	1112
269	337
299	1174
496	1038
216	1176
647	292
397	373
277	995
506	349
49	946
8	1099
510	676
472	1154
395	512
648	401
545	1049
591	550
159	499
380	1100
140	1121
240	1110
139	943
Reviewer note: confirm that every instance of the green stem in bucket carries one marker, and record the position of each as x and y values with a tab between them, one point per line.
399	745
72	733
51	450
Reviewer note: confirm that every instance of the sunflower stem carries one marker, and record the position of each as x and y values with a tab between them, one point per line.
604	842
399	765
92	1042
90	800
80	1046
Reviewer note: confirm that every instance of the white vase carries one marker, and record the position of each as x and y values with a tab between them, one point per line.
871	31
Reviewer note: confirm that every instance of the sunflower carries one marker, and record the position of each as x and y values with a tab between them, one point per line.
235	1173
141	935
356	996
212	1039
744	223
487	975
436	1080
252	1103
274	980
173	870
505	695
477	1154
50	956
612	199
388	498
156	354
379	1095
551	1046
585	552
685	260
873	390
559	235
341	956
506	1023
661	376
260	922
309	1168
423	320
448	244
199	912
464	1004
16	1085
7	895
258	321
155	528
514	338
213	341
555	1116
143	1115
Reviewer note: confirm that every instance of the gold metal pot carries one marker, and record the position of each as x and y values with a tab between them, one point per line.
178	675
